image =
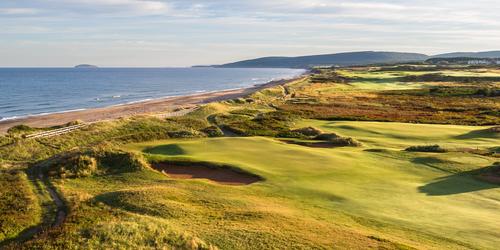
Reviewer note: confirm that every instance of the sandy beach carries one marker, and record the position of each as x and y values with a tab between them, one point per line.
125	110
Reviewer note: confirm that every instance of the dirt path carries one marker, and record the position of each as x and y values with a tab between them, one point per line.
60	206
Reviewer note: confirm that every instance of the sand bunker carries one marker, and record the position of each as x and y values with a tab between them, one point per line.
221	175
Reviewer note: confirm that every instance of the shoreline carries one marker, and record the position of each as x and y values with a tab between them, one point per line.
159	105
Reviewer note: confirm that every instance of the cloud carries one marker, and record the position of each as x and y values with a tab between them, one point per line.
18	11
112	7
140	5
223	30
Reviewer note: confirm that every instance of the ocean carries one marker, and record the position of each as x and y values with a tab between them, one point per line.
37	91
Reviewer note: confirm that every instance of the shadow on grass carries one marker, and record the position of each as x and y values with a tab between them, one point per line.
464	182
170	149
483	133
455	184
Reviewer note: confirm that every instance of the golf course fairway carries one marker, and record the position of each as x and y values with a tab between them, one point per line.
378	190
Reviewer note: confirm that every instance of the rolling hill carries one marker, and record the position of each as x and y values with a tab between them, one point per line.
484	54
342	59
349	59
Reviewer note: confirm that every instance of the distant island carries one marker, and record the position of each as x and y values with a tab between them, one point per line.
86	66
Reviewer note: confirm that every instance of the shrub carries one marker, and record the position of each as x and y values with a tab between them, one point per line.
308	131
70	165
184	134
264	124
337	140
212	131
345	142
19	129
188	122
73	123
426	148
327	137
291	134
92	162
248	112
490	92
85	166
328	76
120	162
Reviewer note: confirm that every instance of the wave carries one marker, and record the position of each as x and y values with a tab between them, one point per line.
8	118
132	102
40	114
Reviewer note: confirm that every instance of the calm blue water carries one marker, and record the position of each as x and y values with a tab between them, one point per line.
33	91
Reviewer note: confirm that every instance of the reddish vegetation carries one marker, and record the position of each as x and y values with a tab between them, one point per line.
403	108
221	175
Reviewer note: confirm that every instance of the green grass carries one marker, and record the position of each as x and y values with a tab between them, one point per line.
397	195
19	205
399	135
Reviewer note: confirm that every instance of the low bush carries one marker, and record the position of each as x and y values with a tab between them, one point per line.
188	122
92	162
212	131
85	166
291	134
264	124
20	129
184	134
73	123
327	137
337	140
426	148
248	112
345	142
308	131
490	92
328	76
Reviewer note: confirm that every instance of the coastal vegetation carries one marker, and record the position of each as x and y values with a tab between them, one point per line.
389	157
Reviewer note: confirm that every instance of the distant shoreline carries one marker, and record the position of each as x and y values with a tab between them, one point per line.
137	108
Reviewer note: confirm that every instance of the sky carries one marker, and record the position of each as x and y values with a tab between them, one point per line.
170	33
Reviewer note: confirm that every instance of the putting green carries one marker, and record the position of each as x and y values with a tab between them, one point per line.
399	194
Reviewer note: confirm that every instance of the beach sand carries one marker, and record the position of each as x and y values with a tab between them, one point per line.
125	110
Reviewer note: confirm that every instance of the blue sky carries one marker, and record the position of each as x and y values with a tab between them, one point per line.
187	32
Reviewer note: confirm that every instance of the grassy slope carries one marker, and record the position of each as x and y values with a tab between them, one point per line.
152	211
391	192
399	135
18	204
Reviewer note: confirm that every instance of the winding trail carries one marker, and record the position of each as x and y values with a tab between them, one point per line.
60	206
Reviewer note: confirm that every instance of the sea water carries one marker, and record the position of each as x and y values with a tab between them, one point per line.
36	91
